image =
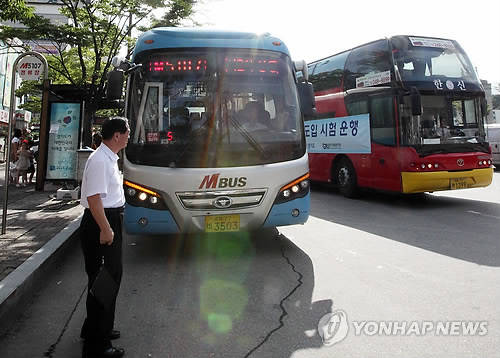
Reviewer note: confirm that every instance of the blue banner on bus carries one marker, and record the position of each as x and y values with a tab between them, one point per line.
349	134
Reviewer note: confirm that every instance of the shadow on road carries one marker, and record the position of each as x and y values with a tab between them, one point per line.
232	295
459	228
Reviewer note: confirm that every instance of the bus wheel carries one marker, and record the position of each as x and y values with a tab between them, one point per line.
346	179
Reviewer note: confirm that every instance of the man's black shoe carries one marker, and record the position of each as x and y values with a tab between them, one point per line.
115	334
113	352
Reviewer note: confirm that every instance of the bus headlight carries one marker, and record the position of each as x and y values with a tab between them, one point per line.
297	188
131	191
138	195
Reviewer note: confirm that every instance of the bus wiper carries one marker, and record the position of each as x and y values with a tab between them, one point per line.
249	138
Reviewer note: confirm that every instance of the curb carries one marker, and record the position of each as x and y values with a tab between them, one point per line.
21	283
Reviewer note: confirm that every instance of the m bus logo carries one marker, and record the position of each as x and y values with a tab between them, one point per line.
29	65
213	181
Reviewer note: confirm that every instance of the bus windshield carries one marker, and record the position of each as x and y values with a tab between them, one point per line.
421	59
214	108
445	120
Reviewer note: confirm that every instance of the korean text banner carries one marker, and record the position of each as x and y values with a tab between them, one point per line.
339	135
63	140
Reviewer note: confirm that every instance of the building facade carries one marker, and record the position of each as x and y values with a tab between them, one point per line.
489	100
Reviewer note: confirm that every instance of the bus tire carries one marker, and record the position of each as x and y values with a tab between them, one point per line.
345	177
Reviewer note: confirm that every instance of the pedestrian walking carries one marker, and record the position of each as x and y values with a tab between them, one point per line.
96	140
31	170
101	237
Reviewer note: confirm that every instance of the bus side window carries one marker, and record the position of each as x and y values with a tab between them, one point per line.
382	124
355	107
371	58
328	73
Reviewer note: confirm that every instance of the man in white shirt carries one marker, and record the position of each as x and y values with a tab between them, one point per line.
101	237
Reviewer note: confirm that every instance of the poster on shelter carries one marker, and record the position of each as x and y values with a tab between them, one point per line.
349	134
63	140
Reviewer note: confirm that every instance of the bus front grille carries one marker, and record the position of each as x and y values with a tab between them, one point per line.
221	200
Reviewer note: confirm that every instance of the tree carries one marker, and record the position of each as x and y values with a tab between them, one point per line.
97	31
179	10
30	89
14	10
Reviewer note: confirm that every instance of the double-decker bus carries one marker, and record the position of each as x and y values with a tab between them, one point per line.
216	133
425	113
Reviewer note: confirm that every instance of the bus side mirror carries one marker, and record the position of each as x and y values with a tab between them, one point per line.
416	102
306	97
484	106
115	85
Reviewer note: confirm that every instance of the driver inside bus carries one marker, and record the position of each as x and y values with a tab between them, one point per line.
428	125
254	117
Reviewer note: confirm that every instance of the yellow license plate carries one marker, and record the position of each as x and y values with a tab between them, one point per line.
458	183
222	223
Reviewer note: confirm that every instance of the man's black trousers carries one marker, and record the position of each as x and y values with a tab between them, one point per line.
99	322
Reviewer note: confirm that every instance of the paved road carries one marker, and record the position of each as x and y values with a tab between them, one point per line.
387	258
379	259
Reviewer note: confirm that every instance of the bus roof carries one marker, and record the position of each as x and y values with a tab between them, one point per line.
177	37
383	38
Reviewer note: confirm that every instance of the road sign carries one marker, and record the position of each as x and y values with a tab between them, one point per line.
30	68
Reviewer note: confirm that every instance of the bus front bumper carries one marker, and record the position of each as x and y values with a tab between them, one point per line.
419	182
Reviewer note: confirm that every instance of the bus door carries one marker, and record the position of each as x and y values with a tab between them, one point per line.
384	159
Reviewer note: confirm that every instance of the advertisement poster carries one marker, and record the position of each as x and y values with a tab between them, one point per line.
63	140
349	134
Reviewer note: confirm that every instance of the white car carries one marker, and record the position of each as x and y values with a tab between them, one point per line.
493	137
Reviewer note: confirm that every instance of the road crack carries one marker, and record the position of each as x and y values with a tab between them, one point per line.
284	313
53	346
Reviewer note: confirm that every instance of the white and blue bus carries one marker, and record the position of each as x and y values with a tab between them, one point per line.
216	133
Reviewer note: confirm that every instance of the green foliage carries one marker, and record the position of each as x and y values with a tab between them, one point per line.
32	90
14	10
178	10
96	32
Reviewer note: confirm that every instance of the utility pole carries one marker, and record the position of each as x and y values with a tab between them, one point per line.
31	68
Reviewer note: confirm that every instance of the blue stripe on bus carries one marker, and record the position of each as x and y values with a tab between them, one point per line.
159	221
281	214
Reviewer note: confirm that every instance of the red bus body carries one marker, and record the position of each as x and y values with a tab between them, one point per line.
402	158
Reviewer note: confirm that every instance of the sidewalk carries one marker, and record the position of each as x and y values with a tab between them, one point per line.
38	225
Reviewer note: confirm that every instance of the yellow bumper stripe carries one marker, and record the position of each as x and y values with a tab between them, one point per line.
419	182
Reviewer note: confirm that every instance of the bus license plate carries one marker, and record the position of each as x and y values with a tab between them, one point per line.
458	183
222	223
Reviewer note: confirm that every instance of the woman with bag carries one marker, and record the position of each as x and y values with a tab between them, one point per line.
15	145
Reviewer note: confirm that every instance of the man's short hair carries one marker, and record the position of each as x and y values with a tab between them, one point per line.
112	125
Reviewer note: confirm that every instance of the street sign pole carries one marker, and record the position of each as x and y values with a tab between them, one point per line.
30	76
